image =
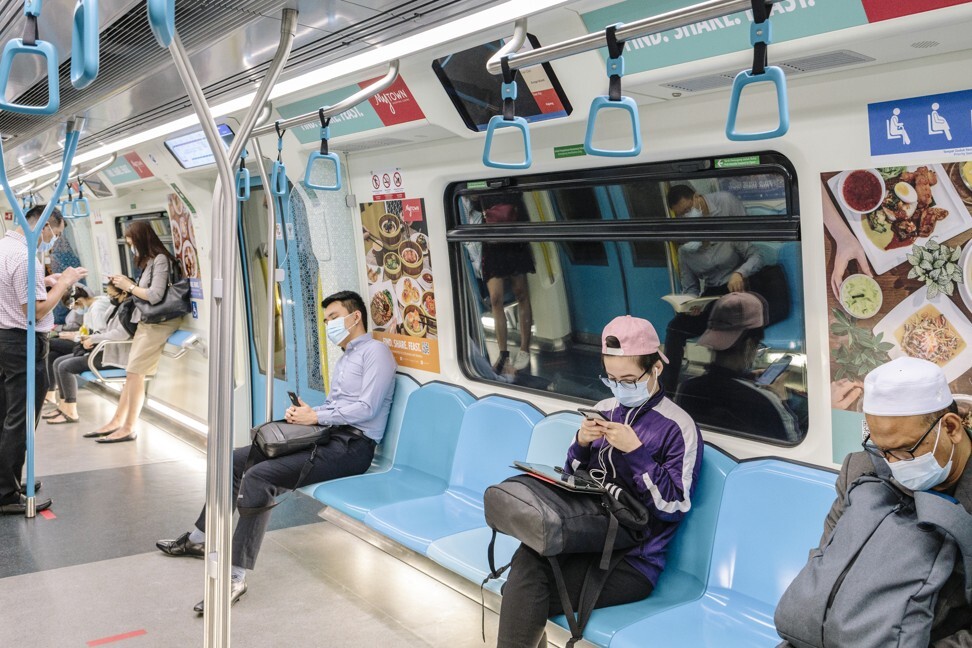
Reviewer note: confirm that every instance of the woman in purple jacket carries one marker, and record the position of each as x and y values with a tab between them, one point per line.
648	446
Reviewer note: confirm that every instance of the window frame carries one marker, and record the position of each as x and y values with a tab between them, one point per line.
775	228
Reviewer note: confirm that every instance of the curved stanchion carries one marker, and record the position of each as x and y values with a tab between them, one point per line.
33	236
161	15
760	36
324	157
508	120
614	100
31	44
278	176
85	44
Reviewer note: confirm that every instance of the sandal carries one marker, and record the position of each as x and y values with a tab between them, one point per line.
64	420
52	414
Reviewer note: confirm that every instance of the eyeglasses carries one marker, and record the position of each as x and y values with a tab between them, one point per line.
898	454
623	384
761	349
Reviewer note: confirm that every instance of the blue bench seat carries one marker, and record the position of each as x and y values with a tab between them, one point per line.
422	457
494	430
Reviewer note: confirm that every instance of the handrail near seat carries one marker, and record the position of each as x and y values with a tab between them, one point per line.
760	36
31	44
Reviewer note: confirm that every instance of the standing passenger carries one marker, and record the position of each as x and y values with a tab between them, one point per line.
650	448
155	262
13	349
356	412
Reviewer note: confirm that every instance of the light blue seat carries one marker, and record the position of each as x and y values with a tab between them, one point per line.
465	553
687	562
183	341
495	431
385	452
771	516
423	455
787	333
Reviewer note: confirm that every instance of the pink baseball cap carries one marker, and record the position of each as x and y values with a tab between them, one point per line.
637	337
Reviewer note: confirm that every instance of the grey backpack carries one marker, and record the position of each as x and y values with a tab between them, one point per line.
876	581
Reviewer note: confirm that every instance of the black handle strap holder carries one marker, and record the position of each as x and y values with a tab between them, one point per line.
280	134
325	131
508	89
761	35
31	33
615	62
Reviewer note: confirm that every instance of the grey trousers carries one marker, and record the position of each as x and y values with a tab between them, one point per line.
343	456
66	371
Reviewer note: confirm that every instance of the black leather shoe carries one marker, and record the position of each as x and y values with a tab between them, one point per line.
237	591
20	508
182	546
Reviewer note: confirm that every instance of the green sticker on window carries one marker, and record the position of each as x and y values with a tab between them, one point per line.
731	163
573	150
477	185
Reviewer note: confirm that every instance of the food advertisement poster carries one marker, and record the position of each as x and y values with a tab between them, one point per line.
899	272
401	291
184	243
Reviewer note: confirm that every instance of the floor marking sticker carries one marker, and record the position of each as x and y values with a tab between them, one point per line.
47	515
108	640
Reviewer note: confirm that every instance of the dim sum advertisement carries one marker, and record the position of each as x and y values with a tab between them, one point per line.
899	273
184	242
401	290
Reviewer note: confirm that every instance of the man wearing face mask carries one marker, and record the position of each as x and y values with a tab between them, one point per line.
706	269
356	410
13	349
912	424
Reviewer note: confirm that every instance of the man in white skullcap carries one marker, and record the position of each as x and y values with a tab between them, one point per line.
912	423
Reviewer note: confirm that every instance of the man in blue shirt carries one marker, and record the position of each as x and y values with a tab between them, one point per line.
356	411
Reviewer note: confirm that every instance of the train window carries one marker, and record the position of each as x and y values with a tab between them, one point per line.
531	285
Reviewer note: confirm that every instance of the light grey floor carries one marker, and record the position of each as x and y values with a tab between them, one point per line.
315	585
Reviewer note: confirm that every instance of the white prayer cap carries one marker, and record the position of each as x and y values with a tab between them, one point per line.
906	387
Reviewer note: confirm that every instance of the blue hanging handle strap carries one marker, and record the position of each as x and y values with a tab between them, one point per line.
161	15
278	175
324	155
760	36
85	44
31	44
80	207
243	180
614	99
508	120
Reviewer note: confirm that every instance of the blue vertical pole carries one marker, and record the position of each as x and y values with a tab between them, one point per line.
33	235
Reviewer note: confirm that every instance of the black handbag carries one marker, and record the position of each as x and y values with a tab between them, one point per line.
174	304
277	438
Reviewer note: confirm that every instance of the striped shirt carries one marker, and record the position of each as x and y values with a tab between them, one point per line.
13	285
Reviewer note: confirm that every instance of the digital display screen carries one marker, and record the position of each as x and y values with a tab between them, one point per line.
476	93
192	150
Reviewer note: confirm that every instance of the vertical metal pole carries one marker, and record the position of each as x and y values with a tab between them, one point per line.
271	274
32	236
219	482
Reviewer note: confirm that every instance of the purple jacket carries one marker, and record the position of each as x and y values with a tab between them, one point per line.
662	472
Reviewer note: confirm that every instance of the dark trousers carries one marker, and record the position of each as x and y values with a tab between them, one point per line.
530	595
13	405
682	328
342	456
58	349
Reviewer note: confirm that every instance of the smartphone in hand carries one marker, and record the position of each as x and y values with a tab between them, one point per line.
774	371
591	414
294	399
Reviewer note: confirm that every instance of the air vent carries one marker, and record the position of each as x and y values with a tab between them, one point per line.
927	44
825	61
370	144
816	63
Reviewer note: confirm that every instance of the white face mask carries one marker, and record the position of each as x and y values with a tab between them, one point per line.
692	246
924	472
336	331
695	212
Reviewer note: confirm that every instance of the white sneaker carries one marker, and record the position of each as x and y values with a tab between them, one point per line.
522	360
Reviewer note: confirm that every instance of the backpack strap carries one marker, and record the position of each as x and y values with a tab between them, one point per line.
945	513
493	573
594	581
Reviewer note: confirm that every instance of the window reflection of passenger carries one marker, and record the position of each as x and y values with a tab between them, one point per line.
726	396
502	261
706	269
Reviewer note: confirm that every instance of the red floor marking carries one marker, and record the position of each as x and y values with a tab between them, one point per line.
47	515
108	640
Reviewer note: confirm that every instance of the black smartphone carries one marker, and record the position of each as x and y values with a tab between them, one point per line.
294	399
774	371
591	414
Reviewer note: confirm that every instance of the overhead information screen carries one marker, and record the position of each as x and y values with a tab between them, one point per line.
476	93
192	150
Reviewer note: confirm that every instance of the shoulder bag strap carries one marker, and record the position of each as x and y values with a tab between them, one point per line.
252	459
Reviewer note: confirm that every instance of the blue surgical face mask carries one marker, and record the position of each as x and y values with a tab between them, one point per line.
924	472
637	396
45	246
336	330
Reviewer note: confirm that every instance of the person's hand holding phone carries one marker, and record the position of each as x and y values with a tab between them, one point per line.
301	413
590	430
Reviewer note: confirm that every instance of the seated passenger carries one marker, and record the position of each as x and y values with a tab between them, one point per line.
650	448
706	268
914	429
726	396
67	368
356	410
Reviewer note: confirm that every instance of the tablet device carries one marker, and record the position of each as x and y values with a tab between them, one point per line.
558	477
